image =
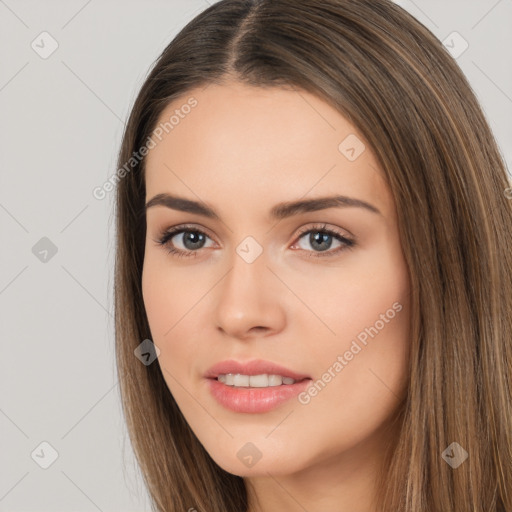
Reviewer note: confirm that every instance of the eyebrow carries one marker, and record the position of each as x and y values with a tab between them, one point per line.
279	211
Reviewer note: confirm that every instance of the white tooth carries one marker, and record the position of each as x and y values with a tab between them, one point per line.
241	380
255	381
258	381
275	380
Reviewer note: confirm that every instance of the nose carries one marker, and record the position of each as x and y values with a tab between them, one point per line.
250	300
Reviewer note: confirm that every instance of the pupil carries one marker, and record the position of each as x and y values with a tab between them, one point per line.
320	237
192	239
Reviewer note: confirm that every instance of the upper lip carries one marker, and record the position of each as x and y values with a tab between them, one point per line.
254	367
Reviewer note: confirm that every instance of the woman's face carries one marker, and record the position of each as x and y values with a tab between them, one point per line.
261	281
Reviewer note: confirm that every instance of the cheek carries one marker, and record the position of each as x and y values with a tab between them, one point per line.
167	292
366	310
163	304
361	356
366	298
170	295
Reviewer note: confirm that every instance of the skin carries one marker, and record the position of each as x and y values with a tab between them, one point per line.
242	150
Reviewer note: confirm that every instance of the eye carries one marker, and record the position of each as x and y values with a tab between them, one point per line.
192	239
321	237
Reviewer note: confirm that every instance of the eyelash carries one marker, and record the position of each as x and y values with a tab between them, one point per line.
166	236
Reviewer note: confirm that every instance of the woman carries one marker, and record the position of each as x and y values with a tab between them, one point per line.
313	236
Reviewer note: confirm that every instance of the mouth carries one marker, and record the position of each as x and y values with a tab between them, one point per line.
255	386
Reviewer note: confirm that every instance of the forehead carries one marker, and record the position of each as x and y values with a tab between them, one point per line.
260	146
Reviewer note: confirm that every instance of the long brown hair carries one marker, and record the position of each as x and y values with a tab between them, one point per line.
390	77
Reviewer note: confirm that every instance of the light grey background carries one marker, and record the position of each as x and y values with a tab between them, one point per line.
62	119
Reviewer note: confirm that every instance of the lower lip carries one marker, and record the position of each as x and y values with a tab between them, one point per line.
255	400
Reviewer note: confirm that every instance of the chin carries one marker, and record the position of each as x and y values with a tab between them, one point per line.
247	461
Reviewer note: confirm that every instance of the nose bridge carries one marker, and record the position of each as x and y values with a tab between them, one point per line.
248	267
248	297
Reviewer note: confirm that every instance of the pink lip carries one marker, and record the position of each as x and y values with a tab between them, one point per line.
254	367
254	400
